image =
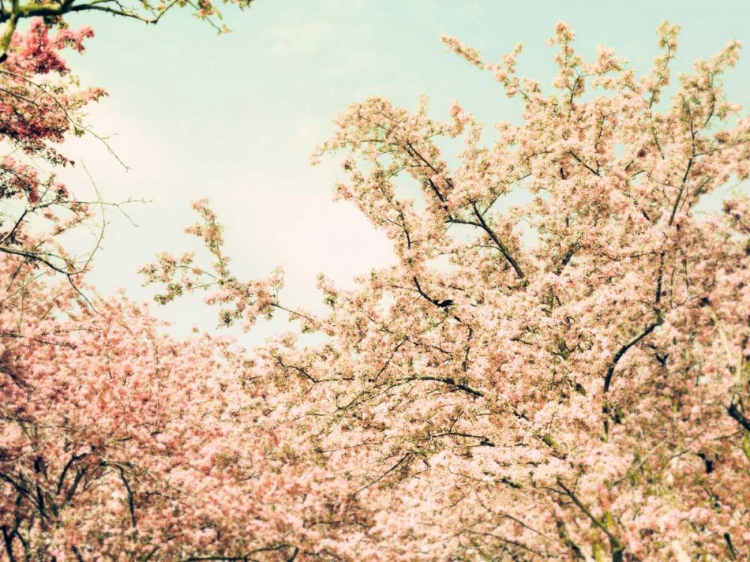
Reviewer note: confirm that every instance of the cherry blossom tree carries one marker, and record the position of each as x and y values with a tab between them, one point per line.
40	103
561	379
118	442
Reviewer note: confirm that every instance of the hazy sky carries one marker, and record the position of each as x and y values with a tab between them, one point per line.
235	118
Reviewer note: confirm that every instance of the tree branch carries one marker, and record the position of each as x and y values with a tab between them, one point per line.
502	247
624	349
735	411
617	547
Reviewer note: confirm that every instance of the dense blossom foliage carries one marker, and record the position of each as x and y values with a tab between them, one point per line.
117	442
564	378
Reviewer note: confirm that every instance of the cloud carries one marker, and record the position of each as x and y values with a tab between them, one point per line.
299	39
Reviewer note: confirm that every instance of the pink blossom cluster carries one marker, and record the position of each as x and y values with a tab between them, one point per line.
40	104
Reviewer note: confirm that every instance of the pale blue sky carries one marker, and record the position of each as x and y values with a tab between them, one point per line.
235	117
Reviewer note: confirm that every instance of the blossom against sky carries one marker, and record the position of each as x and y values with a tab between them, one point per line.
235	118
